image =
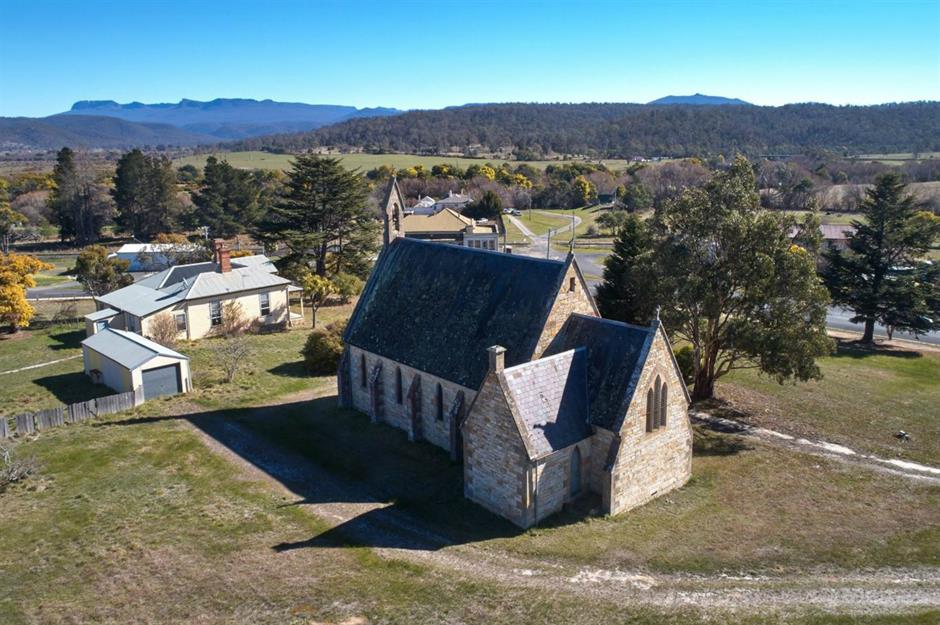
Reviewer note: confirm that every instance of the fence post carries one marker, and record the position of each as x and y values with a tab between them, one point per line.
25	424
4	428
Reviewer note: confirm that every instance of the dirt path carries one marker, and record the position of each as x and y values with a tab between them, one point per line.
364	518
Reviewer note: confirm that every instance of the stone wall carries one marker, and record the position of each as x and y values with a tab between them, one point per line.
494	456
567	301
652	463
550	481
432	429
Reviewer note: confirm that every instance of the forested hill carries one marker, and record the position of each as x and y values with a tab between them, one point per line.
90	131
625	130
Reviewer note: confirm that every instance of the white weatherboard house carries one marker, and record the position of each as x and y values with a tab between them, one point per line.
125	361
195	295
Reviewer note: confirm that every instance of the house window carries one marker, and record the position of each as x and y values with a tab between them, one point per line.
439	402
180	322
100	325
571	284
650	410
362	370
265	301
399	397
215	313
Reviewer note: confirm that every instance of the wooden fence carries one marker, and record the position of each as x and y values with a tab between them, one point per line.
32	422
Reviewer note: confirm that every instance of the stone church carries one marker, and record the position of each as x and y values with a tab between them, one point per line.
504	361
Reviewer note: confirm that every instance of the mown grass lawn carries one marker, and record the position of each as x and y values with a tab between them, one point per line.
864	398
747	507
540	223
48	386
133	519
138	522
61	264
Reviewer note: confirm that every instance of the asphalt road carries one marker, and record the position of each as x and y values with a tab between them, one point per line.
838	319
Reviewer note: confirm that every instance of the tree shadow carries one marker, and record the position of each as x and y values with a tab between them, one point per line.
711	441
394	493
71	388
69	339
859	350
290	370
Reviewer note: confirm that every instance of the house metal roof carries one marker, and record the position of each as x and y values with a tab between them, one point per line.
104	313
190	282
141	300
128	349
456	302
549	398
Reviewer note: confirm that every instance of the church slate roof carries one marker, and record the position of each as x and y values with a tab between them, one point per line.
549	397
437	308
616	353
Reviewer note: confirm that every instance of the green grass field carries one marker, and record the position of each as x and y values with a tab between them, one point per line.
540	223
365	162
151	526
863	399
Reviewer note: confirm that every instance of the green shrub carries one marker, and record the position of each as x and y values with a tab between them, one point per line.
323	349
347	286
685	358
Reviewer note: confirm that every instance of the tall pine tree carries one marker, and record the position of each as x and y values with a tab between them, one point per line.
322	218
624	294
145	194
227	200
881	277
80	205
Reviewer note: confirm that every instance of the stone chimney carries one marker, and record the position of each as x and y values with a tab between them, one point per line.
497	356
222	256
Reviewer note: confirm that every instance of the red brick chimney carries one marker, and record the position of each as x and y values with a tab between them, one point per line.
222	256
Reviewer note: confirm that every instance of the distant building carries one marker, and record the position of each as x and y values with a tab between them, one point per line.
453	201
153	256
834	236
424	206
449	226
443	226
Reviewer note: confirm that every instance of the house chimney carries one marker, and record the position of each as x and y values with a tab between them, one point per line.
497	356
222	256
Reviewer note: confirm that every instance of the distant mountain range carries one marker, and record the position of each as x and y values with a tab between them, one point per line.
230	118
670	126
699	100
108	124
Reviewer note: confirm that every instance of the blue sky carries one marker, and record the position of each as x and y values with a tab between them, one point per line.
440	53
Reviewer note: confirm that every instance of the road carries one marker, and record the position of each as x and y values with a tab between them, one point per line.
838	318
592	265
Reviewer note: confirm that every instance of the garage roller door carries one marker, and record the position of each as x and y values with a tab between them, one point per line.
161	381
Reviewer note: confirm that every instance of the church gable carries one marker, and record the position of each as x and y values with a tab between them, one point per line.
573	297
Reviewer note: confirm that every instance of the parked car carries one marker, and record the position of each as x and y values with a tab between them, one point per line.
516	213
